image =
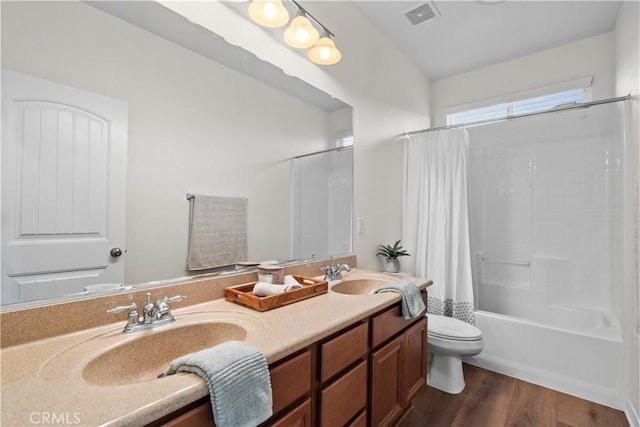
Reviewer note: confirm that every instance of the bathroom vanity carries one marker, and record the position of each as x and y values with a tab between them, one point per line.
335	359
365	374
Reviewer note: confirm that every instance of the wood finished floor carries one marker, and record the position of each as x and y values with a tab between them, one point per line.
494	400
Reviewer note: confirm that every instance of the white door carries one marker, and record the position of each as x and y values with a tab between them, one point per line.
63	188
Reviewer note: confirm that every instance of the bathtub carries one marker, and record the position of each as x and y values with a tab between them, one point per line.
583	357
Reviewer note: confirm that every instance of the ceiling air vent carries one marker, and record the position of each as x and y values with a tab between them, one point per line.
422	13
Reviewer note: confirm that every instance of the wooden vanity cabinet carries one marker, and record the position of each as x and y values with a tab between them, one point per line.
342	375
344	398
364	375
300	416
414	362
198	414
386	393
398	365
291	381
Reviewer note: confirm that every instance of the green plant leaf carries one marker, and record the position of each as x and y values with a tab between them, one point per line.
392	252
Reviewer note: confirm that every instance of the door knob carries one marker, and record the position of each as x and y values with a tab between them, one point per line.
116	252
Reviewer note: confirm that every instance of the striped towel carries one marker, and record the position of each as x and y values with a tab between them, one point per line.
238	378
412	303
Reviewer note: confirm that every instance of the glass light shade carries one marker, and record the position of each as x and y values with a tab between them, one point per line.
301	33
269	13
324	52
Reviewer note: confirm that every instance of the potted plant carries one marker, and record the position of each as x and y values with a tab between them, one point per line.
391	255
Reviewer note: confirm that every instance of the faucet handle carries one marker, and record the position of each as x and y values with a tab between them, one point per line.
344	267
163	307
132	318
176	298
121	308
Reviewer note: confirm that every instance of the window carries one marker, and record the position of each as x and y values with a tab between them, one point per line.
523	103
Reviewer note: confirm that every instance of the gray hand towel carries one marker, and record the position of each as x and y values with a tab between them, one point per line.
239	383
412	304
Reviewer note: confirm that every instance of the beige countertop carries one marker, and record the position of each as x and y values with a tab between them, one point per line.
43	380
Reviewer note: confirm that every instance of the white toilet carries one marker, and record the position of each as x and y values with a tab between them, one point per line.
449	339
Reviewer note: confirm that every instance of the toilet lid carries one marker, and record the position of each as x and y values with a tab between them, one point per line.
448	327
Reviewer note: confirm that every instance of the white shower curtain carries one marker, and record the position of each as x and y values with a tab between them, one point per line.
436	226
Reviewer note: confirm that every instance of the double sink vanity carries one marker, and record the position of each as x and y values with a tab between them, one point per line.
346	357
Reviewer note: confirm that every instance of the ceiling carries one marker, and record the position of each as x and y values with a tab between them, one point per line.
463	36
468	35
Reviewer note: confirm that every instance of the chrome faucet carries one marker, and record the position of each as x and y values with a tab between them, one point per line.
153	314
333	272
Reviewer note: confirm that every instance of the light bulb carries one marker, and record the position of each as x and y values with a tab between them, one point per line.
268	13
324	52
269	10
302	35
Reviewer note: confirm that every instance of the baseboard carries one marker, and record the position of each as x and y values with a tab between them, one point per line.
632	416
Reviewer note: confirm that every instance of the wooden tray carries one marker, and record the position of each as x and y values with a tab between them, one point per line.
243	294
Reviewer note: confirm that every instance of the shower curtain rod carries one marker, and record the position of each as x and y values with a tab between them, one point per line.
518	116
349	147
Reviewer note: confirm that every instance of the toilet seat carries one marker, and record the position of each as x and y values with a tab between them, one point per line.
449	328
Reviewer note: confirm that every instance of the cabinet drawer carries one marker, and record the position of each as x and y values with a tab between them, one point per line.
341	351
201	416
343	399
291	380
298	417
388	323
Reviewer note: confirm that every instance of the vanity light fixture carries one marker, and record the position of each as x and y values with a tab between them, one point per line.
269	13
325	52
301	33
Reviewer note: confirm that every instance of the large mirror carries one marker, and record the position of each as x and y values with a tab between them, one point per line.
203	117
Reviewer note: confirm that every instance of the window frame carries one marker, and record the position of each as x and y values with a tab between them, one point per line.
584	84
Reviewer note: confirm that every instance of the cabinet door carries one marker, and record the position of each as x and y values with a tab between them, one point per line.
386	392
300	416
414	361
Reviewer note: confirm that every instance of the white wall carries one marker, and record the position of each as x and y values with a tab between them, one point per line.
194	126
627	82
340	122
594	56
388	93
